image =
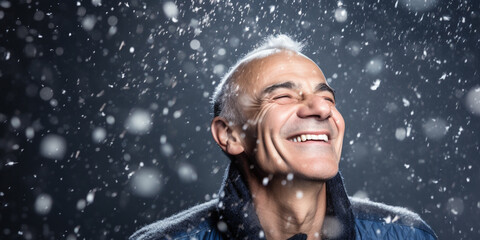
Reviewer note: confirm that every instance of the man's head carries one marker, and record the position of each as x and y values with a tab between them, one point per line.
275	110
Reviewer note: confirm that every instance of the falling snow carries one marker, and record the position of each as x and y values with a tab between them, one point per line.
43	204
146	182
105	117
139	122
53	146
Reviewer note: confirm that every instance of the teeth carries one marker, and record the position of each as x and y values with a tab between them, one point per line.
305	137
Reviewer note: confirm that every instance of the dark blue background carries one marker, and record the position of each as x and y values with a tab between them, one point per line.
429	61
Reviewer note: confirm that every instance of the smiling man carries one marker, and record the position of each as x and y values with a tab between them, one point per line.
275	118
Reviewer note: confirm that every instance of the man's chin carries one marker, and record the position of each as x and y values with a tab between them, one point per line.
318	174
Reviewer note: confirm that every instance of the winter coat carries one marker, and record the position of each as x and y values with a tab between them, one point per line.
232	216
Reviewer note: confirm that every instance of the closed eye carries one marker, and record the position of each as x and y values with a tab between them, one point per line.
284	99
330	100
282	96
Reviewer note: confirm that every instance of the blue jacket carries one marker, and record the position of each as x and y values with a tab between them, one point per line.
232	216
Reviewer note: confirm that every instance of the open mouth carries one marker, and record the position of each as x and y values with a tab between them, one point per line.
309	137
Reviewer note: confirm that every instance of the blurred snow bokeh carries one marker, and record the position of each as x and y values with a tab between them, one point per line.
375	66
341	15
455	206
88	22
43	204
435	128
472	101
187	173
146	182
332	227
53	146
120	93
170	9
400	134
139	122
46	93
99	134
418	5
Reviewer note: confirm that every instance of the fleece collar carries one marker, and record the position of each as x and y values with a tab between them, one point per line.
236	210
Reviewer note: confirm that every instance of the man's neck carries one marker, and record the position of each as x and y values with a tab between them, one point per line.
288	207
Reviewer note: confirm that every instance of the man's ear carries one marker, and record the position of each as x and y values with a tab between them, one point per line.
226	136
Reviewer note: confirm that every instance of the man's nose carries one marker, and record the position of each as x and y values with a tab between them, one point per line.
315	106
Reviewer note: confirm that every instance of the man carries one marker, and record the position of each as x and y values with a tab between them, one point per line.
275	117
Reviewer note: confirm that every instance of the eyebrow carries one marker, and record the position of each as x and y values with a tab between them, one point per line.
290	85
324	87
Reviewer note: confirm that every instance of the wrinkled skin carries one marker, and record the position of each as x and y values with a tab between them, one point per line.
293	106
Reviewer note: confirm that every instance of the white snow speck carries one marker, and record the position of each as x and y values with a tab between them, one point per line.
53	146
177	114
163	139
299	194
446	18
265	181
219	69
97	3
419	5
435	128
400	133
272	8
5	4
374	66
43	204
15	122
90	197
375	85
138	122
222	226
112	20
110	119
290	176
221	51
99	134
195	44
166	149
455	206
332	228
234	42
146	182
88	23
38	16
361	194
354	48
30	132
187	173
472	100
46	93
340	14
261	234
170	9
81	204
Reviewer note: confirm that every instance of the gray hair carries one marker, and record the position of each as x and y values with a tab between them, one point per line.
224	96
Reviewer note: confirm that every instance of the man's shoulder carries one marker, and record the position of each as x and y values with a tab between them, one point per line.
384	220
187	223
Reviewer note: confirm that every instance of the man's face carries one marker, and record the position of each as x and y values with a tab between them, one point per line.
293	125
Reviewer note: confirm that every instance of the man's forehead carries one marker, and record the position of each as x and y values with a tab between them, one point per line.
254	72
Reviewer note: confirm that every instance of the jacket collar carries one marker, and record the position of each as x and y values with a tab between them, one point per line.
235	207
